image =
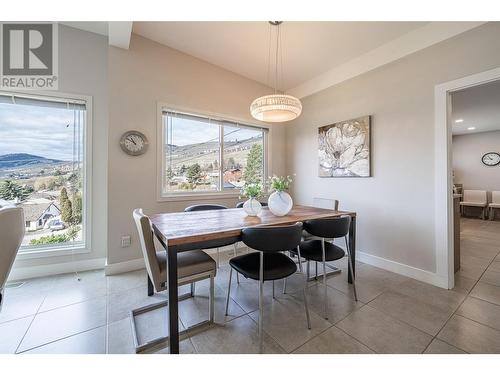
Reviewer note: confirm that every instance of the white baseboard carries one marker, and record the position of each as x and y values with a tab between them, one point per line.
129	265
403	269
21	273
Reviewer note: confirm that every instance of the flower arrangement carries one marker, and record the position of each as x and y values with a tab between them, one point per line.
252	190
280	183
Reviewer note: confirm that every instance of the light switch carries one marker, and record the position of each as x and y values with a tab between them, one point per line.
126	241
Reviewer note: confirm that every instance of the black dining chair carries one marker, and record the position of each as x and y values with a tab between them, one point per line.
222	243
268	263
319	250
240	204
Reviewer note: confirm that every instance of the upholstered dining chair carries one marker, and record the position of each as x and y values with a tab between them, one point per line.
11	233
192	266
268	263
321	251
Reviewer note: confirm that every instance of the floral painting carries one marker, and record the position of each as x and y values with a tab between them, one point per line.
344	148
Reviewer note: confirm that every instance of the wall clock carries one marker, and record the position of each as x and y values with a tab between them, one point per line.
491	159
134	143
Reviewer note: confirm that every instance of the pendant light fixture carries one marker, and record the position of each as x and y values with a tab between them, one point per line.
277	107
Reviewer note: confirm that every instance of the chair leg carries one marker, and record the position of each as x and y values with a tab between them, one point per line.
273	289
316	270
349	261
151	289
211	302
229	288
304	290
308	270
261	303
284	285
193	287
324	277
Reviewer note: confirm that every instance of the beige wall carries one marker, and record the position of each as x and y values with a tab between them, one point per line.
83	70
469	170
395	206
140	77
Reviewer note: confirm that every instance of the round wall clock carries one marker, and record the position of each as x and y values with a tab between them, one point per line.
491	159
134	143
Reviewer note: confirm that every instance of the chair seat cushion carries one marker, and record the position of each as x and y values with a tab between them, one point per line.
276	265
311	250
189	263
494	205
473	204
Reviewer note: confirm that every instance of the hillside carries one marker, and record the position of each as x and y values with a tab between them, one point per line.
22	160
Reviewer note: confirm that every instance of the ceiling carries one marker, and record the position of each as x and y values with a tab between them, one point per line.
478	107
309	48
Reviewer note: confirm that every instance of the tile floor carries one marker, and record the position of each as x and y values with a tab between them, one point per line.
394	314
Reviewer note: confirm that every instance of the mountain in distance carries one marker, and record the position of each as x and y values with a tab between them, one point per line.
23	160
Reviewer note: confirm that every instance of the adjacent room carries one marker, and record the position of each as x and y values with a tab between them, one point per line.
296	187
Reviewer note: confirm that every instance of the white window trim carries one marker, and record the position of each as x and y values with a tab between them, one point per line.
160	136
50	251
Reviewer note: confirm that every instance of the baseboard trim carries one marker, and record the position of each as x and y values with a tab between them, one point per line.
403	269
21	273
129	265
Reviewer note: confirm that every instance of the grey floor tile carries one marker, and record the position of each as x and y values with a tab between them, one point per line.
285	321
426	317
120	339
239	336
72	292
481	311
491	277
127	281
471	336
440	347
89	342
19	305
333	341
65	321
11	334
339	304
463	284
486	292
383	333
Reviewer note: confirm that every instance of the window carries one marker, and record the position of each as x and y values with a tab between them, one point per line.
42	168
206	155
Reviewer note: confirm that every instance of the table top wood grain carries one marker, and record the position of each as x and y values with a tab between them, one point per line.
180	228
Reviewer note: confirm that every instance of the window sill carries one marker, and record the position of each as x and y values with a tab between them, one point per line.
51	252
198	196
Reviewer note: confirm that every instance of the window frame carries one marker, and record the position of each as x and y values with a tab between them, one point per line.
86	246
161	196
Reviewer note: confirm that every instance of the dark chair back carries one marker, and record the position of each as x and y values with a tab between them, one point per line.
334	227
273	238
205	207
240	204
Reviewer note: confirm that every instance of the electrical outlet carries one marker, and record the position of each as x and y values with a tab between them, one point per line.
126	241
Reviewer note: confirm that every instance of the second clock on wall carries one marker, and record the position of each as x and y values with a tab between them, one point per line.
134	143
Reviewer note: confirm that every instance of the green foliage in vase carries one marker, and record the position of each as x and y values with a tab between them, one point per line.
252	190
280	183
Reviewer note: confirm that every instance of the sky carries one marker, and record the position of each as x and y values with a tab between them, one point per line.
186	132
36	130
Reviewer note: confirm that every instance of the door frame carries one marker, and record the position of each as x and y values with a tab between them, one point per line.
443	206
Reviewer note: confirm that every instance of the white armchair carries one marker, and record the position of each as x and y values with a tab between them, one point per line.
495	203
475	198
11	234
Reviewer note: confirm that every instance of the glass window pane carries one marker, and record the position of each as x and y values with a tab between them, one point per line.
41	170
243	156
192	155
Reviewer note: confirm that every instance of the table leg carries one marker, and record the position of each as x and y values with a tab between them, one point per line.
173	301
352	247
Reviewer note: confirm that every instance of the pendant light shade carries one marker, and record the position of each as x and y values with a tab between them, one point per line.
276	107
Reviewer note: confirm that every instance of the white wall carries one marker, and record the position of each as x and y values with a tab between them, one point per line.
140	77
83	70
396	206
469	170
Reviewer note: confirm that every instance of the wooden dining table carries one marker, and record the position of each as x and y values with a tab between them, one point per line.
186	231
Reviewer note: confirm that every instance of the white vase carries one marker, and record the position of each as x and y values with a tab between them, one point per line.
252	207
280	203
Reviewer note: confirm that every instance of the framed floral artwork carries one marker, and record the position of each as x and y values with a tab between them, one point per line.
344	148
